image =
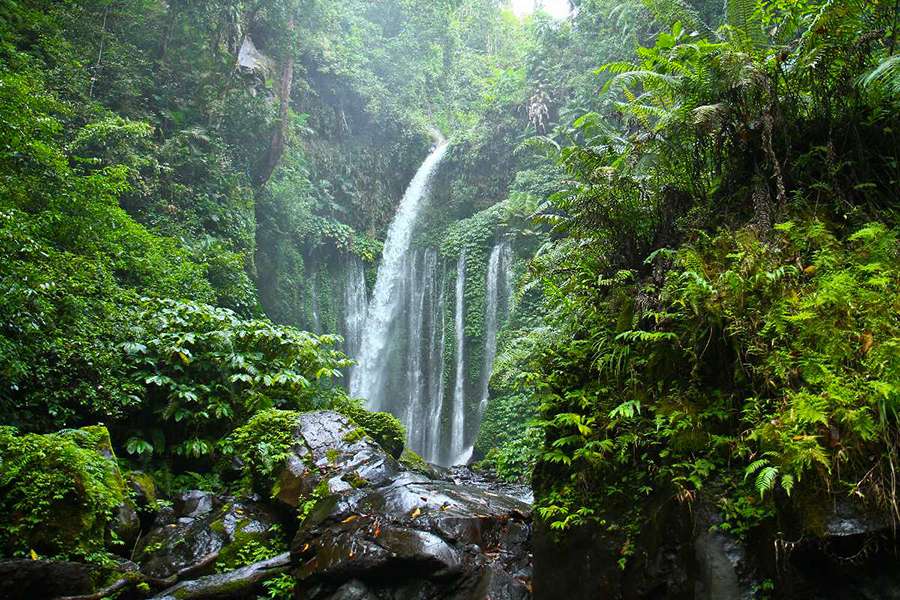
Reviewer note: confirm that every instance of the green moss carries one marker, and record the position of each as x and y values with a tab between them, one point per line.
316	506
144	485
249	547
355	435
356	480
58	492
263	444
332	455
413	461
384	428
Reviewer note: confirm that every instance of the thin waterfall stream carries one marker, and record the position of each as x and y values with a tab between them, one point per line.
458	424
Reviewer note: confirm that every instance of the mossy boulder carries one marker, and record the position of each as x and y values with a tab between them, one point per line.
415	463
239	530
143	489
273	438
59	493
384	428
293	457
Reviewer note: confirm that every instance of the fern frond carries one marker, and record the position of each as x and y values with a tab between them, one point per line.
765	480
885	76
669	12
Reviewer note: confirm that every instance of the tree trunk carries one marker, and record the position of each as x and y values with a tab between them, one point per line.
276	148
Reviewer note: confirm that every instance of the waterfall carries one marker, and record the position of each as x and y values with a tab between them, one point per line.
314	303
354	305
414	383
496	307
458	424
496	277
370	376
424	356
432	451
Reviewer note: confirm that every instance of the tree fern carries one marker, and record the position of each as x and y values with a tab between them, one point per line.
741	15
669	12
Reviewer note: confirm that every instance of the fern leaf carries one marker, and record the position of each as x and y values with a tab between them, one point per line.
765	480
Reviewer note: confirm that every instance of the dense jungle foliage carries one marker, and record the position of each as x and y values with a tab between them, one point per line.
722	285
700	197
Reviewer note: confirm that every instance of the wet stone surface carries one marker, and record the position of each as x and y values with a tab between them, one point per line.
381	532
198	525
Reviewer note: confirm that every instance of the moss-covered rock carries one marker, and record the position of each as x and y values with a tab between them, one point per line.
240	530
384	428
59	493
263	444
143	488
414	462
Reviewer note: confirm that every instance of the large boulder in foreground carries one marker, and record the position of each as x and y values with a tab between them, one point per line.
371	529
26	579
200	525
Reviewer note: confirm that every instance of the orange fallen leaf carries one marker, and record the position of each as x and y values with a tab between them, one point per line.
416	513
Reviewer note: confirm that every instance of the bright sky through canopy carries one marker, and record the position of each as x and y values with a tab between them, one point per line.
558	9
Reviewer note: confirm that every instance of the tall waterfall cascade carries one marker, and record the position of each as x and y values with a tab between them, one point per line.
370	377
496	307
354	305
401	337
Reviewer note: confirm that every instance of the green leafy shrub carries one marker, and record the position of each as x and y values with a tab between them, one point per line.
205	369
58	492
767	368
694	348
72	261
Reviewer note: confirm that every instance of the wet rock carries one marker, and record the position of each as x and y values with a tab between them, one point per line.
198	525
858	556
143	488
239	583
31	579
195	503
375	530
126	526
723	569
849	519
330	448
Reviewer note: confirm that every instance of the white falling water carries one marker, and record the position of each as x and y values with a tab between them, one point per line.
354	305
496	277
414	375
458	423
432	451
314	302
369	377
496	306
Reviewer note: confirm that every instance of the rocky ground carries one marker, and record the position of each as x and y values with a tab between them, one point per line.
361	526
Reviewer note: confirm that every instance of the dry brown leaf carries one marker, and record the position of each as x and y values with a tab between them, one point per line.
867	340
